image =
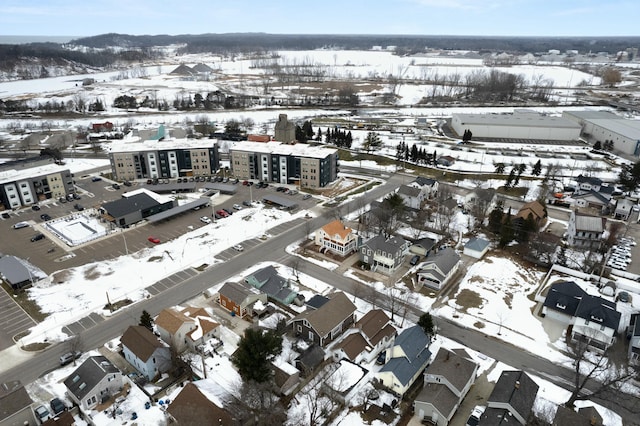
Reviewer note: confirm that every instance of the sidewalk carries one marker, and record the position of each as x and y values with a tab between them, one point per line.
14	356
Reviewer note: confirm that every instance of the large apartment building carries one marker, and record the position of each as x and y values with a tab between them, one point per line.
166	158
300	164
26	182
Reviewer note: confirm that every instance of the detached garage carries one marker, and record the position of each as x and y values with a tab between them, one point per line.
476	248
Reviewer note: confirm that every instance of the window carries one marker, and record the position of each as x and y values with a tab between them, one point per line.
311	335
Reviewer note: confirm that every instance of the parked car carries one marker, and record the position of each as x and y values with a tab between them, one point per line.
45	217
237	207
62	200
21	225
229	212
115	186
78	207
126	183
238	247
57	406
154	240
69	357
414	260
246	203
474	418
205	219
245	183
75	196
42	413
6	215
35	207
306	196
222	213
37	237
96	179
69	197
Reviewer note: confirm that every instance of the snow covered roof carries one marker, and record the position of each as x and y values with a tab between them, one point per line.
279	148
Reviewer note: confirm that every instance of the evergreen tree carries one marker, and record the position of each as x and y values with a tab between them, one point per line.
500	168
319	135
371	142
495	218
414	153
629	176
308	130
328	136
426	323
597	145
349	140
146	320
255	351
301	136
537	168
510	178
506	231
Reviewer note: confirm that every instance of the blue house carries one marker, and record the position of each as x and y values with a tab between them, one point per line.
276	287
405	360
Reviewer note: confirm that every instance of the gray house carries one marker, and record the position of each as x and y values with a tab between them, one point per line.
16	273
276	287
325	324
446	382
93	382
511	400
412	196
15	405
436	271
384	254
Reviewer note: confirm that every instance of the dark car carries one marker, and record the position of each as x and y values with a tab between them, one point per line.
57	406
115	186
45	217
246	203
6	215
76	196
37	237
229	212
414	260
96	179
126	183
35	207
78	207
62	200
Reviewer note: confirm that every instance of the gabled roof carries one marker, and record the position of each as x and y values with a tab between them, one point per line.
590	223
445	260
192	407
534	207
412	340
592	180
87	376
409	191
203	319
516	389
202	68
477	244
391	245
182	69
14	270
13	398
125	206
422	181
311	357
599	310
328	316
316	301
594	196
337	228
268	281
375	325
564	297
236	292
426	243
171	320
353	345
484	194
140	341
456	368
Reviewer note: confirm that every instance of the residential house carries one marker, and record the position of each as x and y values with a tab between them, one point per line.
309	360
428	186
371	334
512	398
275	286
476	247
337	238
15	405
422	247
142	349
186	328
438	269
285	376
624	207
384	254
93	382
339	382
447	381
591	199
634	339
446	160
411	196
585	231
405	360
533	210
316	301
588	183
593	318
238	298
193	405
323	325
566	416
480	200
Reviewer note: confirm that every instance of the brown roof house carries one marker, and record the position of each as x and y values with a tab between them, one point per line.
142	349
511	400
446	382
371	334
186	328
240	298
328	322
194	406
15	405
337	238
535	209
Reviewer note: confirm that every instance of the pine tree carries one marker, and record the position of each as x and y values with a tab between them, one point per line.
146	320
537	168
414	153
426	323
319	135
510	178
500	168
255	351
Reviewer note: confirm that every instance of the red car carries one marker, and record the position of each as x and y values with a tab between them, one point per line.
222	213
154	240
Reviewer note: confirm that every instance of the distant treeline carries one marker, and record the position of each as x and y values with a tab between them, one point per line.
252	42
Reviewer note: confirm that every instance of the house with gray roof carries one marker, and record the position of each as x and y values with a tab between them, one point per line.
438	269
481	200
93	382
476	247
276	287
405	360
325	324
428	186
145	352
593	318
384	254
15	405
511	400
592	199
447	381
309	360
239	298
422	246
413	197
16	272
585	231
624	207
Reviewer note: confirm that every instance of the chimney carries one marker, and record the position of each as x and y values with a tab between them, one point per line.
517	385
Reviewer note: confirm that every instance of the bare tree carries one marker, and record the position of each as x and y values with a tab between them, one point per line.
258	404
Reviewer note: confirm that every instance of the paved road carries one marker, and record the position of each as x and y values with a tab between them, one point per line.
100	331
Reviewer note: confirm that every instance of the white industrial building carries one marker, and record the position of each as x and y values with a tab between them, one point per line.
521	124
606	126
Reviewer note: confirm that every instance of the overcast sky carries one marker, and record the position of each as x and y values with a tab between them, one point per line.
427	17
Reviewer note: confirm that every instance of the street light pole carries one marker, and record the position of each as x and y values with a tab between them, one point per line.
29	271
126	249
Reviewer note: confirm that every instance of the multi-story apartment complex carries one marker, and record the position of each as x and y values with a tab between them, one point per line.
300	164
167	158
26	182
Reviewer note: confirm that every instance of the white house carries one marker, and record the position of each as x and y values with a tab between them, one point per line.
585	231
94	381
337	238
187	328
436	271
476	247
412	196
145	352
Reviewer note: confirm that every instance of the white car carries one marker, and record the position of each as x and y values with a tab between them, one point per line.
238	247
237	207
205	219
